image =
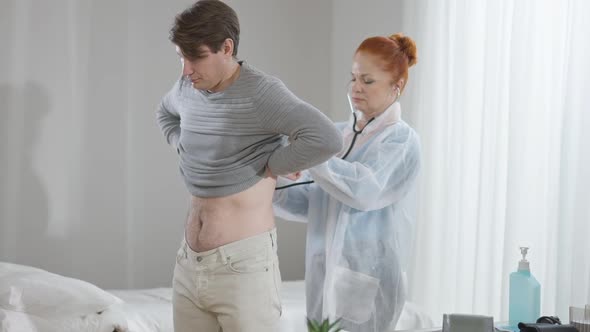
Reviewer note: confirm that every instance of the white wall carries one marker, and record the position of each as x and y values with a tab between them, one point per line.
88	188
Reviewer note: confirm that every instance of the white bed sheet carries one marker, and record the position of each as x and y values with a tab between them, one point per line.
150	310
34	300
146	310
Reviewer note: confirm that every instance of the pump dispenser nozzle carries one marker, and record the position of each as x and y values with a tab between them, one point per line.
523	264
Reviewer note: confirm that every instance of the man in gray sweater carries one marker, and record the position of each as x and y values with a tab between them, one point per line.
228	122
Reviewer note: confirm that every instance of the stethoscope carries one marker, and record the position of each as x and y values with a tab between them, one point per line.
356	133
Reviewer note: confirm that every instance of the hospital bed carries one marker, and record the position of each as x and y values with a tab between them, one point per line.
34	300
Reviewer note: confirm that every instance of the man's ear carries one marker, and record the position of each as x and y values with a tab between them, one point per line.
228	46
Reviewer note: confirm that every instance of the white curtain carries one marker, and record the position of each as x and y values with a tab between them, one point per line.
499	97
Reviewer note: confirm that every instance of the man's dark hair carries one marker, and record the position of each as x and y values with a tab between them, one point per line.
206	22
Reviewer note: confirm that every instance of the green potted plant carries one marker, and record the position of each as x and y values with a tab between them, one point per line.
325	326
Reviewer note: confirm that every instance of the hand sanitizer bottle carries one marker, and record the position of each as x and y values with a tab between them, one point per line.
525	294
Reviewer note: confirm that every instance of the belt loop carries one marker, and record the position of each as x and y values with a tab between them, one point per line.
222	253
184	251
272	240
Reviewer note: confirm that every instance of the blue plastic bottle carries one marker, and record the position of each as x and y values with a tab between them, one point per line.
525	294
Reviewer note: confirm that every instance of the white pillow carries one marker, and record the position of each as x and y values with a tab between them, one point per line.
44	294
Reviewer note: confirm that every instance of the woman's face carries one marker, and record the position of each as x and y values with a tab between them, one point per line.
371	88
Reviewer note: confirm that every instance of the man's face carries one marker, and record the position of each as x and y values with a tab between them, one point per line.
207	70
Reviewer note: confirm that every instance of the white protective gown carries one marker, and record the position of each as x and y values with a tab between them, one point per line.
361	221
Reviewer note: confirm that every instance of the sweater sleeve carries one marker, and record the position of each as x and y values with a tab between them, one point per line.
313	137
168	118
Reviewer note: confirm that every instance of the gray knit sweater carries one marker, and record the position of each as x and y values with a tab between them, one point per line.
225	139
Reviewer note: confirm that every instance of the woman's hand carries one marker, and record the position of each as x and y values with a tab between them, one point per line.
268	173
293	176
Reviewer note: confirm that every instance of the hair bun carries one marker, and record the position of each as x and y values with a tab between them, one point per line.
408	46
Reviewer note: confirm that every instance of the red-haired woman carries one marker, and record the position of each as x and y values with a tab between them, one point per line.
359	207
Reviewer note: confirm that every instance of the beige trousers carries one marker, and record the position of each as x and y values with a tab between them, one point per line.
233	288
